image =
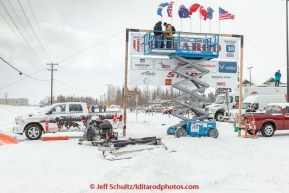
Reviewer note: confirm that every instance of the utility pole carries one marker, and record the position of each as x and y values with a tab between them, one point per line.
250	75
52	70
108	90
6	95
287	50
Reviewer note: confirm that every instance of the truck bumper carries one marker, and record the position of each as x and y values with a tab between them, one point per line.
18	129
211	116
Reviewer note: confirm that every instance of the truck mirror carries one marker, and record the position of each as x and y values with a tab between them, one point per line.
49	112
227	98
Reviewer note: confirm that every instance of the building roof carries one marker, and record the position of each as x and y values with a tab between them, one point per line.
271	80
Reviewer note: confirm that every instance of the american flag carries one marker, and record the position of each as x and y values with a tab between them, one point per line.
170	9
223	14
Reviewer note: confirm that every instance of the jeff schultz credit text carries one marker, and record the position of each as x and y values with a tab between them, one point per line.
160	187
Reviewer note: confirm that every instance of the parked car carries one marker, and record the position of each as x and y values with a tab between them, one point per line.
275	118
68	116
155	108
169	110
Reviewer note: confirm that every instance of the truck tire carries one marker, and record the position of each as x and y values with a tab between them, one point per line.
268	130
213	133
220	117
180	132
33	132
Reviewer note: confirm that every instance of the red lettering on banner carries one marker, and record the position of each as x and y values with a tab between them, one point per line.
221	84
196	46
165	66
171	74
202	47
186	45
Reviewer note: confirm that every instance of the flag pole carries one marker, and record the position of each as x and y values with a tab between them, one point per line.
172	17
200	25
190	25
181	24
210	26
219	26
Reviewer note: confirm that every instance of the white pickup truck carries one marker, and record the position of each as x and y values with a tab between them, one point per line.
61	117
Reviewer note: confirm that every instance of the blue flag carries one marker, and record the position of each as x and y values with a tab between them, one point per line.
183	12
210	13
160	8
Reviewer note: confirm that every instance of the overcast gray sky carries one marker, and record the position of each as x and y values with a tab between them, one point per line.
71	26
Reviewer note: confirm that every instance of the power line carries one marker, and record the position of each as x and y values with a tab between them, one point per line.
22	79
80	79
45	54
91	46
31	52
24	28
77	88
266	52
40	29
20	73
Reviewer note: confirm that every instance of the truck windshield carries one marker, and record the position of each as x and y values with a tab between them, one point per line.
220	100
245	105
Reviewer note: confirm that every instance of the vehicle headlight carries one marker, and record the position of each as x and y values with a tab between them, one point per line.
213	110
20	122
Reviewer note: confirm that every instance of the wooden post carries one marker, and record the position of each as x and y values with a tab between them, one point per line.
125	82
125	94
240	87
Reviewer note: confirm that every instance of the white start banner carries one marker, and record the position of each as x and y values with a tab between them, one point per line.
228	46
158	72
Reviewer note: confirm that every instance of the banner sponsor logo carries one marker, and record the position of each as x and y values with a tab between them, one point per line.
221	84
230	54
168	82
142	63
148	73
228	67
172	75
137	43
216	77
227	76
164	64
147	81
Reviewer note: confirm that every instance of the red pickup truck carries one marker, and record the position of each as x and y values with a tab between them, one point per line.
275	118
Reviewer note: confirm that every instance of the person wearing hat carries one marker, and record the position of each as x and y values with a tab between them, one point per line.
168	35
158	34
251	108
277	78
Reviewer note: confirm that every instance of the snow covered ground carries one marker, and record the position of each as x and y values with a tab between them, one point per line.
226	164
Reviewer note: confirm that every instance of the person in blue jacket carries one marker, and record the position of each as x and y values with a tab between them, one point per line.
92	108
277	78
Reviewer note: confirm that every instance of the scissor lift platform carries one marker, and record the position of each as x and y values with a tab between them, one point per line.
185	44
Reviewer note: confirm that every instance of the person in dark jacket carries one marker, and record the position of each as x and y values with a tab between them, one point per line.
277	78
158	34
92	108
251	108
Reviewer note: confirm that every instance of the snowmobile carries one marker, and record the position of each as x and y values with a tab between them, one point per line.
98	131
